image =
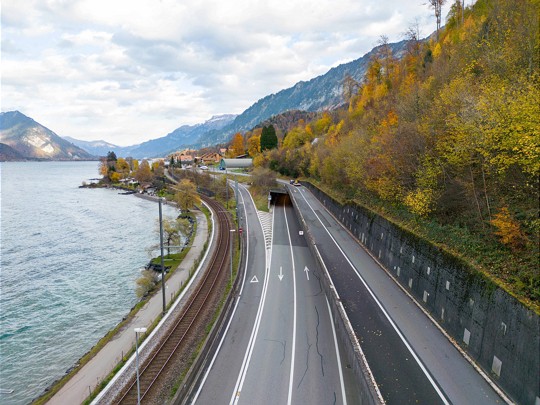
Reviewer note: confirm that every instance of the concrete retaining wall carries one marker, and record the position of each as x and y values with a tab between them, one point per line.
500	334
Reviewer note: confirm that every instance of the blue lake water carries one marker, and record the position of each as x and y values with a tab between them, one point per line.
69	261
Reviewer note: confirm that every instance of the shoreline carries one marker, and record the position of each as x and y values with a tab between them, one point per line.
55	388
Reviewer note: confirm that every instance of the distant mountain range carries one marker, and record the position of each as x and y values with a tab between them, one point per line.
183	136
22	138
180	137
96	148
324	92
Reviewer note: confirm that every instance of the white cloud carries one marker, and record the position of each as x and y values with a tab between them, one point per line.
130	70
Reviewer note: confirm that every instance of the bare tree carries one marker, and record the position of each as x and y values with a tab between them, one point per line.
437	6
350	87
412	35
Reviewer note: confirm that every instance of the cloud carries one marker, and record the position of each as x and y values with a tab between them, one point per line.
130	70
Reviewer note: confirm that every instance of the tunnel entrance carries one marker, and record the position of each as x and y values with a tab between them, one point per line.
278	196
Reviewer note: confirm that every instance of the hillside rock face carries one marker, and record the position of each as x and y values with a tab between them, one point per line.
8	154
34	141
322	93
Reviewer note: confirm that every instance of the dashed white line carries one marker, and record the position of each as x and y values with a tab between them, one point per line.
394	326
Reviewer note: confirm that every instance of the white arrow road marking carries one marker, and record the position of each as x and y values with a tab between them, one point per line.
254	280
307	272
280	275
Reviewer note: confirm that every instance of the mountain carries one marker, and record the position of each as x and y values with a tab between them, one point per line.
183	136
34	141
96	148
8	154
324	92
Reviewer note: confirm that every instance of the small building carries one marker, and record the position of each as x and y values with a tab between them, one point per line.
228	164
210	158
185	159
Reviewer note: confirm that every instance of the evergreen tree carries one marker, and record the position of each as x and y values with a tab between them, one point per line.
268	138
111	157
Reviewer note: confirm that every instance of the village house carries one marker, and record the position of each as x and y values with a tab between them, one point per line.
209	158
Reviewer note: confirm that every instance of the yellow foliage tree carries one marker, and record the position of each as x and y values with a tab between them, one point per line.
254	145
508	229
186	195
237	145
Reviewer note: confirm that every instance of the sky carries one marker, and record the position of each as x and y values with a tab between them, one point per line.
127	71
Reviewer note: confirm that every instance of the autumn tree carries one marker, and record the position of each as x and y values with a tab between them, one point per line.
146	283
263	178
237	145
122	167
186	195
174	230
508	229
144	172
254	145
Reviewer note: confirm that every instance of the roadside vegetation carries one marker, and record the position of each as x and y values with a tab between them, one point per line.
443	139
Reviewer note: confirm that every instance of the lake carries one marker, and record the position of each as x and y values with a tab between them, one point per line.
69	260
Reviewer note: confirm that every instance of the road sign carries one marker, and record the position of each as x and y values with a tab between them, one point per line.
240	230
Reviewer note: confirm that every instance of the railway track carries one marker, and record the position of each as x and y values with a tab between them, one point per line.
171	346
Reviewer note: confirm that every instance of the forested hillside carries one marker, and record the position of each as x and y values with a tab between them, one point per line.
444	140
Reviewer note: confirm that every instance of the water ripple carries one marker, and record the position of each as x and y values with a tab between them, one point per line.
70	258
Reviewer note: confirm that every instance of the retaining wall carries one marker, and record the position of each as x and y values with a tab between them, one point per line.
499	333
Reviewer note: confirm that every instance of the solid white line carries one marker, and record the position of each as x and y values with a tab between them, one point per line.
203	381
291	375
341	382
348	326
413	353
249	350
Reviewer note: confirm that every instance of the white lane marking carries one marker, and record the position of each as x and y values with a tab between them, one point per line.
403	339
254	280
341	382
291	375
280	275
203	381
254	332
348	326
165	318
306	270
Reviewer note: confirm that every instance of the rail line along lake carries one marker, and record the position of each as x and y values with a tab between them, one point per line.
69	260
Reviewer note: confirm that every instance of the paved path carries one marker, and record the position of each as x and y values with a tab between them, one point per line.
91	374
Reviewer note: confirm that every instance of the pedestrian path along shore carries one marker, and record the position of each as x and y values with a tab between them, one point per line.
78	388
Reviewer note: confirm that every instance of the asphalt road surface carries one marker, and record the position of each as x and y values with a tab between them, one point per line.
411	360
280	345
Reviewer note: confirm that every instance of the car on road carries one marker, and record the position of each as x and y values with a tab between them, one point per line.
203	167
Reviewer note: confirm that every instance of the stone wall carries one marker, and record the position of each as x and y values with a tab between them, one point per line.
499	333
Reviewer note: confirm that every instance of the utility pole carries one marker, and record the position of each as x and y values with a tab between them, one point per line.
161	248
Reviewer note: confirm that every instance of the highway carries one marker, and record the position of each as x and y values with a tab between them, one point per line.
279	346
410	358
